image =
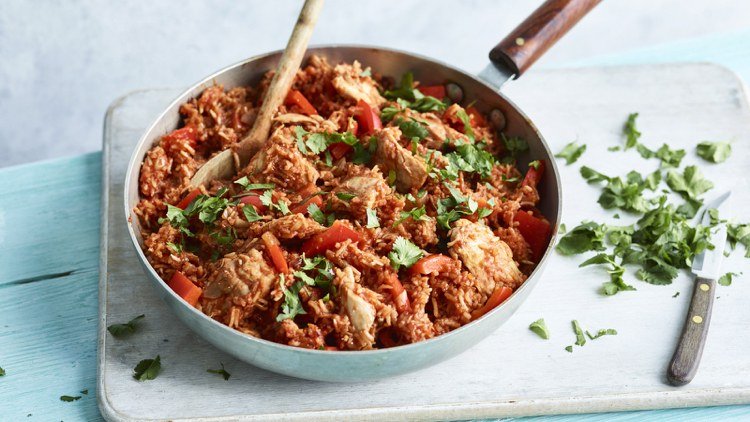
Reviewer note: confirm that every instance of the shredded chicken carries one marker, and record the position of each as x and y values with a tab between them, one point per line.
350	83
411	171
236	274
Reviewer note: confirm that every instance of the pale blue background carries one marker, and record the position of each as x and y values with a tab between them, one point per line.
61	66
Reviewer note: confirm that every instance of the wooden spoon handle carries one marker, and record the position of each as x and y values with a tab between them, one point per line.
282	80
540	31
687	355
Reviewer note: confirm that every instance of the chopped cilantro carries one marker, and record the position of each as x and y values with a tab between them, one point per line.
414	213
147	369
580	338
246	185
616	272
223	372
317	142
69	398
407	96
2	372
631	132
292	305
569	349
715	152
122	330
404	253
372	219
175	247
513	146
739	233
588	236
668	157
675	294
316	214
344	196
690	184
412	129
571	152
251	215
540	328
602	332
726	279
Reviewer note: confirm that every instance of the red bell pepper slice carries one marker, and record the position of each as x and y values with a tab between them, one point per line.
437	91
496	298
255	201
301	208
431	264
339	149
186	132
368	119
185	288
398	294
295	98
536	231
534	174
188	198
273	247
328	239
476	117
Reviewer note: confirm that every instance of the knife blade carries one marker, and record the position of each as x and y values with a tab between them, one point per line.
707	264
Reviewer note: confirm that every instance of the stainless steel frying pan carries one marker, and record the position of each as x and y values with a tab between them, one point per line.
509	59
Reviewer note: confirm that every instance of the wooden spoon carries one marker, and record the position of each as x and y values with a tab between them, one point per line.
226	163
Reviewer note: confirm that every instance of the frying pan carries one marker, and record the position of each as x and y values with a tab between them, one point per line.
510	58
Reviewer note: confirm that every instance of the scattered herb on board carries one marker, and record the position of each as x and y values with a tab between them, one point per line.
540	328
676	294
69	398
2	372
147	369
85	392
726	279
404	253
122	330
223	372
715	152
631	132
569	349
580	338
602	332
571	152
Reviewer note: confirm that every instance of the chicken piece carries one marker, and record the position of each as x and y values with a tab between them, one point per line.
314	123
370	191
439	131
361	313
281	163
487	257
293	226
350	83
240	275
411	171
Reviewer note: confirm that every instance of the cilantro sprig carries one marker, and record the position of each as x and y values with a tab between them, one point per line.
571	152
122	330
147	369
404	253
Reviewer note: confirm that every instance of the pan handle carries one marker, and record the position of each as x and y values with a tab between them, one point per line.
540	31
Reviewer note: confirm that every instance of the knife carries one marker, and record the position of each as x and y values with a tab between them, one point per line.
707	269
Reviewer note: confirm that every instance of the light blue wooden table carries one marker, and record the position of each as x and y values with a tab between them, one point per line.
49	251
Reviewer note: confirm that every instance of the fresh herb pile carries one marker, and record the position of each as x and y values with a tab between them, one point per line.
663	240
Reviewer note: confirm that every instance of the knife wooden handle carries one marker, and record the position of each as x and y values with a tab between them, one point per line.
689	350
540	31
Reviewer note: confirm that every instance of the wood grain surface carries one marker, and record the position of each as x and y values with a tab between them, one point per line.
512	372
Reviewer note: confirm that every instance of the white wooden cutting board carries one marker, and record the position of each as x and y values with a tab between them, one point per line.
513	372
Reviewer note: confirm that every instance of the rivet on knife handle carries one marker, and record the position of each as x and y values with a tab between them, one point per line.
689	350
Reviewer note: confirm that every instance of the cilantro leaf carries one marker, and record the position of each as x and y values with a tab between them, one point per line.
316	214
739	233
513	146
404	253
715	152
690	184
2	372
122	330
414	213
668	157
246	185
223	372
344	196
593	176
69	398
602	332
571	152
372	219
147	369
251	215
539	327
631	132
616	272
580	338
726	279
412	129
292	305
589	236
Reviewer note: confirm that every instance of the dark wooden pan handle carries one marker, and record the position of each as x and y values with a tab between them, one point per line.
689	350
540	31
